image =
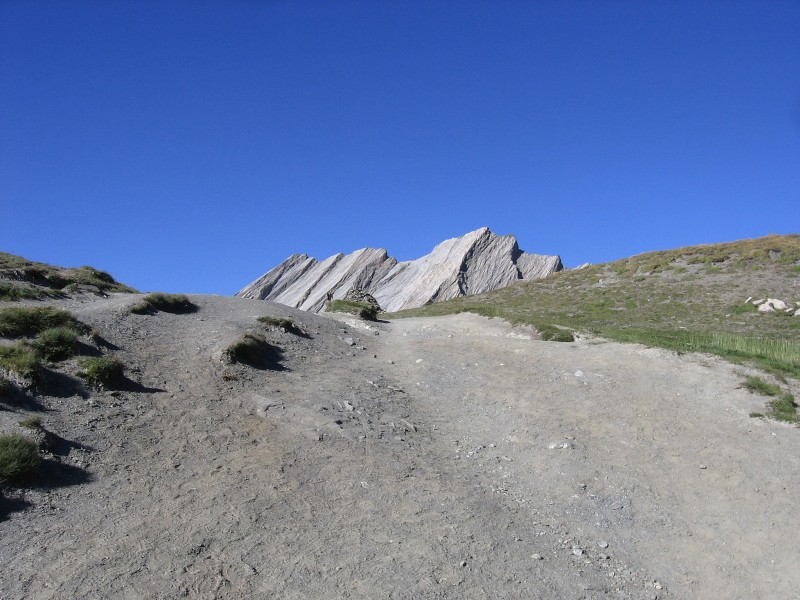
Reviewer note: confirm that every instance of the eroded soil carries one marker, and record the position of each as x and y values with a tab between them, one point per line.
453	457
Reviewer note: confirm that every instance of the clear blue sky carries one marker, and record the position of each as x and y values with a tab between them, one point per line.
191	146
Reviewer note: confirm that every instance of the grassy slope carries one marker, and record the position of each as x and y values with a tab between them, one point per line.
686	299
43	277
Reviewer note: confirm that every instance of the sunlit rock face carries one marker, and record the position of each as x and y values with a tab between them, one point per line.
477	262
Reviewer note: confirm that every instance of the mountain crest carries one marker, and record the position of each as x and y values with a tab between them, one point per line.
476	262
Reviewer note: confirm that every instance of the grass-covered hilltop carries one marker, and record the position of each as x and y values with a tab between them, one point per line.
698	298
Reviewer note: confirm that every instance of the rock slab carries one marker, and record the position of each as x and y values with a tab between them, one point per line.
477	262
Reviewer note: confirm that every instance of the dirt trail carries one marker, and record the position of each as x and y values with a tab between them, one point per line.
426	458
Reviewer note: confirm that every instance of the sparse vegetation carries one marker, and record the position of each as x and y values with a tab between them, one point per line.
11	292
362	310
20	321
171	303
550	333
34	422
744	309
254	350
759	386
279	322
41	274
19	458
781	408
57	343
102	372
20	360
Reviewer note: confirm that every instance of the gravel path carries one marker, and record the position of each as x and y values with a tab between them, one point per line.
427	458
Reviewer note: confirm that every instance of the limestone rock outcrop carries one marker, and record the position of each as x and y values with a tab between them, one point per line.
477	262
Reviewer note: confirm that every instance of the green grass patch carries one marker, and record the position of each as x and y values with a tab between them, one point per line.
775	356
102	372
170	303
19	458
20	321
12	293
759	386
20	360
57	343
744	309
362	310
782	407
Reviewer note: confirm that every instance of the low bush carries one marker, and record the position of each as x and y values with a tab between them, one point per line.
34	422
102	372
171	303
279	322
20	360
29	320
551	333
254	350
362	310
784	408
19	458
57	343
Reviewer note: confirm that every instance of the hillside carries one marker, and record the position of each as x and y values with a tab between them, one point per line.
692	298
248	449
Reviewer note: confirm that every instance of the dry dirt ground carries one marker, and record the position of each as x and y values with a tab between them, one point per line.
453	457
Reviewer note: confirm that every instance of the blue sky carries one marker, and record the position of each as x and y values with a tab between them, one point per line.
191	146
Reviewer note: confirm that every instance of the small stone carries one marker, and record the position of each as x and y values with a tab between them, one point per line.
578	373
349	341
463	563
419	360
603	544
703	467
577	551
537	557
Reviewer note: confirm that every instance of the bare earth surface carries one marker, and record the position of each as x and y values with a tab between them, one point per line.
453	457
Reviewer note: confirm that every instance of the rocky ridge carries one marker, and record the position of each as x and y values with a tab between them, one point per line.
477	262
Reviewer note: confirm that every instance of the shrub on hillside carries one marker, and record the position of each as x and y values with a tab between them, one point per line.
20	360
57	343
102	372
255	351
21	321
171	303
19	458
362	310
279	322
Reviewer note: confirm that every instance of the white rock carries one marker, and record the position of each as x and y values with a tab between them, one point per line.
776	304
766	308
477	262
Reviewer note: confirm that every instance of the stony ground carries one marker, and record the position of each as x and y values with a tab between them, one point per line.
452	457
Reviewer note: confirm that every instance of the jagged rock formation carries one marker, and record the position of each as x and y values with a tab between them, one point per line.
477	262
